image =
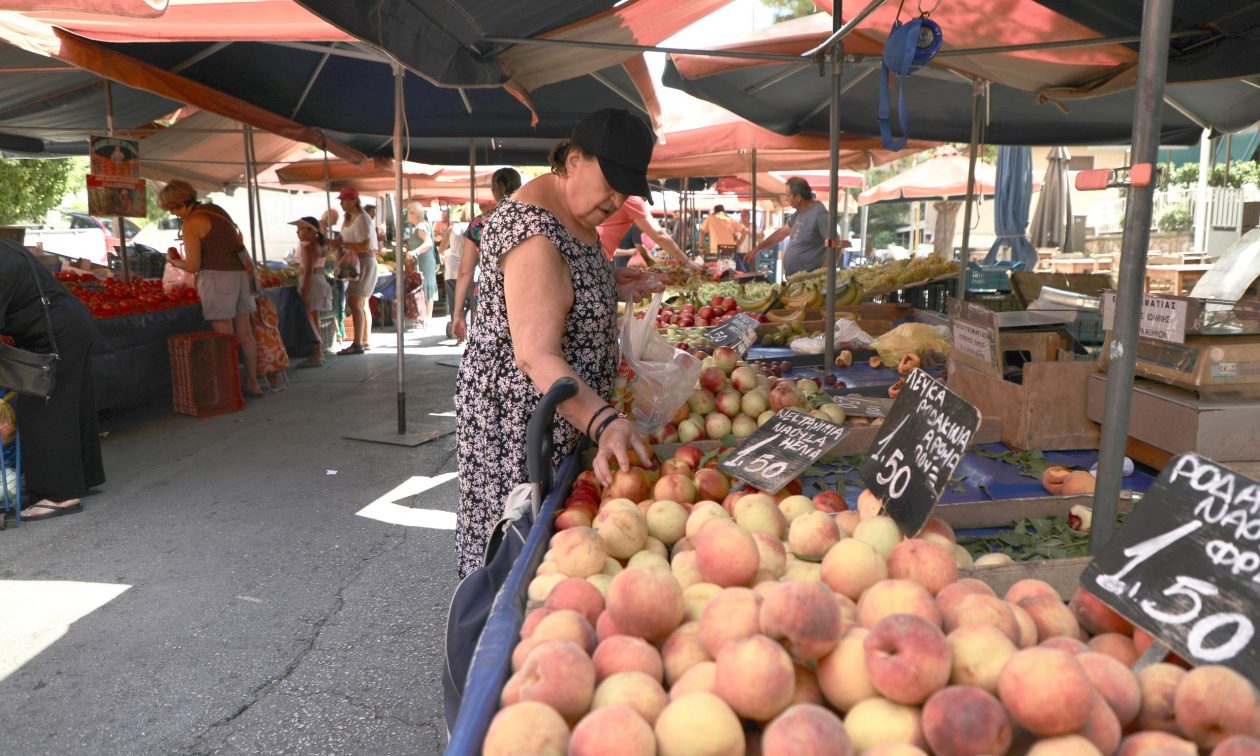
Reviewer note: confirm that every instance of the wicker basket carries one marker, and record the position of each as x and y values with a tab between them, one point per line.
205	374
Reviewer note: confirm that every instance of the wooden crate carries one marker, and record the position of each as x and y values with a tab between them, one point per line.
1063	574
1048	410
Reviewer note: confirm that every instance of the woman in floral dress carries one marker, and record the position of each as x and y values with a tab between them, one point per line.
547	310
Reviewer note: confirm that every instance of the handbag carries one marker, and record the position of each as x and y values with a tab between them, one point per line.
31	373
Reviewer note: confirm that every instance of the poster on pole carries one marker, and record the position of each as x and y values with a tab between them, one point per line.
114	185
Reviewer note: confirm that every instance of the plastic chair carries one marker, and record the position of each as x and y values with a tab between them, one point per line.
11	502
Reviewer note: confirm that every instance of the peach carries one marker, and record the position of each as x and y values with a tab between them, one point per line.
601	583
521	652
1078	482
696	597
1101	726
880	532
699	723
878	720
962	720
795	506
894	749
645	602
907	657
842	674
869	505
1159	686
572	517
532	619
1027	628
674	487
981	609
806	690
804	616
702	514
1095	616
671	466
557	673
852	566
711	484
1155	743
1064	745
1117	646
802	571
1051	616
831	502
667	521
648	559
896	597
962	557
1238	745
643	694
772	556
992	559
578	552
811	535
733	614
613	731
763	517
1046	691
526	727
578	595
1213	702
611	567
847	520
957	590
717	425
626	653
806	730
928	564
605	628
1115	682
977	655
685	570
936	525
682	650
628	484
755	677
540	587
726	554
741	500
698	679
1028	588
566	624
1064	643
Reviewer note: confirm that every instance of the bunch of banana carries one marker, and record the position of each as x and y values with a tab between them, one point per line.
849	294
795	316
800	295
757	305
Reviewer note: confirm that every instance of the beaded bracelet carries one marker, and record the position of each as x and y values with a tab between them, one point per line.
595	417
607	422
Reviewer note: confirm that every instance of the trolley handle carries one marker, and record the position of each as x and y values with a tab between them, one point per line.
539	441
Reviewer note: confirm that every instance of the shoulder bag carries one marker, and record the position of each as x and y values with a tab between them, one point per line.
30	373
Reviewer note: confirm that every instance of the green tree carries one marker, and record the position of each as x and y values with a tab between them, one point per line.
785	10
30	188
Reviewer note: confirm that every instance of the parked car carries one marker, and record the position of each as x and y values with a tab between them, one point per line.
161	234
109	226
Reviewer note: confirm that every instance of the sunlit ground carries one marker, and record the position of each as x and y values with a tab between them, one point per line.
34	614
387	509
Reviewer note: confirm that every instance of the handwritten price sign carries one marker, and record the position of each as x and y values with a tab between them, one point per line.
738	333
781	449
919	446
1185	566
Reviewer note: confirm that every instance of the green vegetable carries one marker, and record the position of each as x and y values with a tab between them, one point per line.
1033	538
1031	463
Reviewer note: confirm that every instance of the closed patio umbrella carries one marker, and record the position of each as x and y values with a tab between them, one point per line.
1051	226
1011	199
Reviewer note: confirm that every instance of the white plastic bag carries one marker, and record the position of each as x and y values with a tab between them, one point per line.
848	334
662	376
175	280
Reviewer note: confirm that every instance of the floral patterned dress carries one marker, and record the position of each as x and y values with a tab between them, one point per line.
494	399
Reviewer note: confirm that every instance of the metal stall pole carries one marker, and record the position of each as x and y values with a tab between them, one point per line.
253	161
866	210
1152	71
327	182
960	290
122	224
400	249
833	230
472	179
249	197
752	215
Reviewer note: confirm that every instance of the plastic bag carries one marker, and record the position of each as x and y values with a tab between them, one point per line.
348	266
919	338
663	376
175	280
848	334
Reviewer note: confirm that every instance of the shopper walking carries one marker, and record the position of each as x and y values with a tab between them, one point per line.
548	310
358	236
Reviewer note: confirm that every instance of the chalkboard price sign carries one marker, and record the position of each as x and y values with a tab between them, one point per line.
738	333
862	406
1185	566
780	450
918	448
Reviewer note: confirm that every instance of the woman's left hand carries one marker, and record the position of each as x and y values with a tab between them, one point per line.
615	443
634	284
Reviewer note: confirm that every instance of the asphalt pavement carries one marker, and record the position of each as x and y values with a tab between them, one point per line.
224	591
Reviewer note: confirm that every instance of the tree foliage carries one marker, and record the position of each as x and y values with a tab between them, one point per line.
785	10
1240	173
30	188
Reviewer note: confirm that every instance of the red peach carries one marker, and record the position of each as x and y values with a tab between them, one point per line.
928	564
955	591
1028	588
907	657
578	595
1046	691
682	650
804	616
640	692
1156	743
626	653
699	723
1119	647
726	554
612	731
896	597
1115	682
1101	728
1051	616
1095	616
1159	684
961	721
1213	702
645	602
733	614
567	625
982	609
806	730
755	677
526	727
557	673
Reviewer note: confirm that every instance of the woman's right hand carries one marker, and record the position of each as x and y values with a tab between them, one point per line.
615	444
459	328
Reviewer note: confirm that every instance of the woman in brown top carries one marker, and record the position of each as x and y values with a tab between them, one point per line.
213	249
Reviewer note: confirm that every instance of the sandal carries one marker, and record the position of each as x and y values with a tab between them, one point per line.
352	349
53	510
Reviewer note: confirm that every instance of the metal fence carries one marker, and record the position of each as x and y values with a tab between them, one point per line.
1225	206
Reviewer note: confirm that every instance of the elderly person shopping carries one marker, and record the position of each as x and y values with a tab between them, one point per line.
215	250
547	310
358	237
421	246
61	449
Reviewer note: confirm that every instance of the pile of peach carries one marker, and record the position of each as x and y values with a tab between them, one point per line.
763	625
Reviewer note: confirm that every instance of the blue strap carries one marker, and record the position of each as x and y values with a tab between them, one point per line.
899	51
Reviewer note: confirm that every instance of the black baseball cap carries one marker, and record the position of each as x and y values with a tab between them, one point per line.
623	144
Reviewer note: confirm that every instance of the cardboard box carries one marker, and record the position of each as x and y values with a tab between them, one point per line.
1046	411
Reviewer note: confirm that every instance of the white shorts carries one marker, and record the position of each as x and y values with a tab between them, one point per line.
224	294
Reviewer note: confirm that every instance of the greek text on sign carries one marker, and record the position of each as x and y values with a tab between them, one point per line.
918	448
777	452
1162	318
738	333
974	341
1185	566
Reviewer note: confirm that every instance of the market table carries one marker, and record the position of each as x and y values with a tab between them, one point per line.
1179	279
131	361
